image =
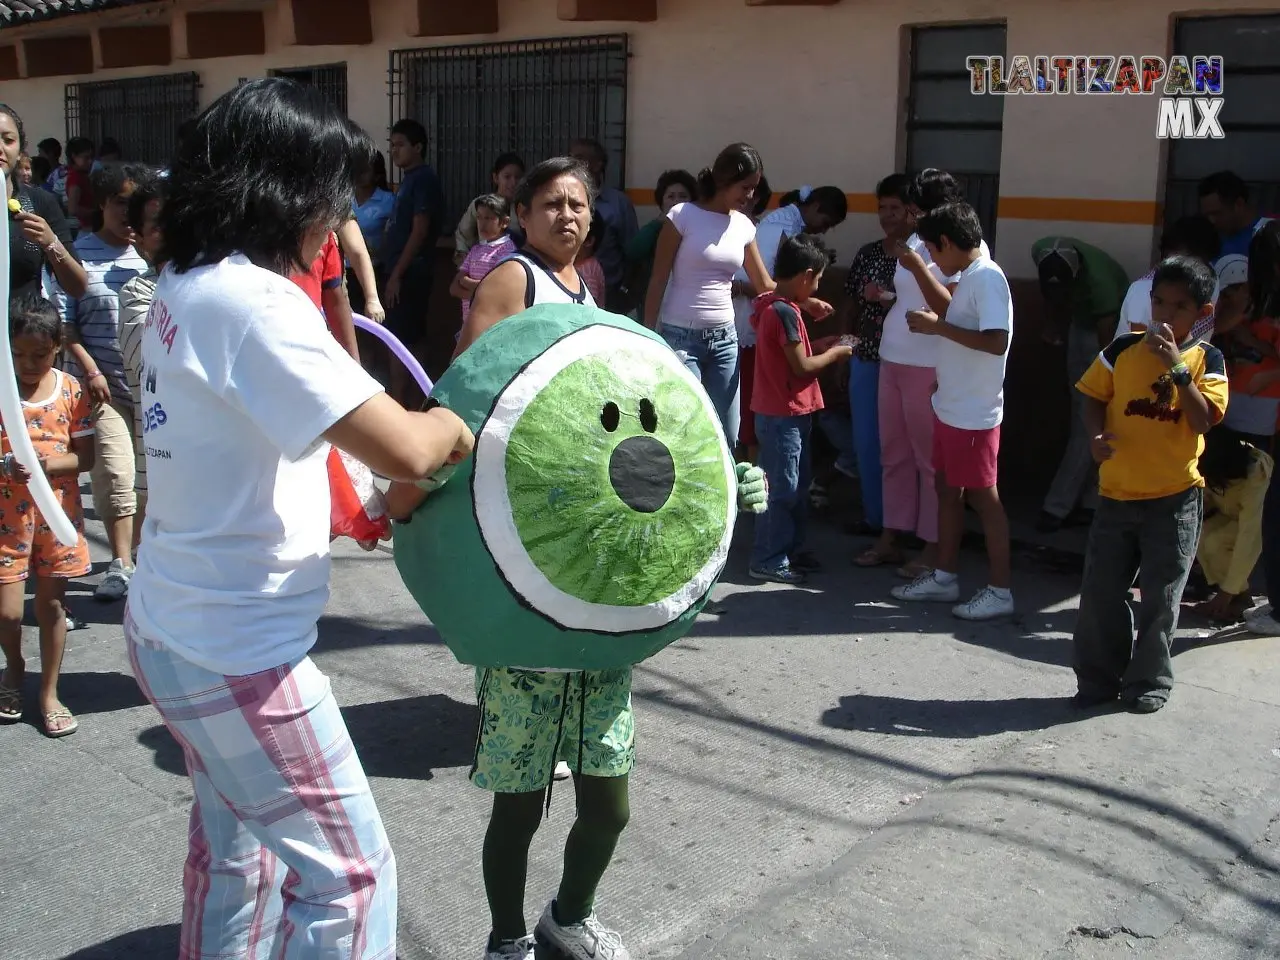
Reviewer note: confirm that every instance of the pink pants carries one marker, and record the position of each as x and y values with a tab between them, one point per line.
906	449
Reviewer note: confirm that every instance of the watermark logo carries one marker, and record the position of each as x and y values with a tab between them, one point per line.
1190	88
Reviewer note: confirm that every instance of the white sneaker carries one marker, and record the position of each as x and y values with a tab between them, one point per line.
1265	625
521	949
562	771
588	940
985	605
1258	612
115	585
926	588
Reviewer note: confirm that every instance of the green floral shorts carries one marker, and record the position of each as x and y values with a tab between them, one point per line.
530	720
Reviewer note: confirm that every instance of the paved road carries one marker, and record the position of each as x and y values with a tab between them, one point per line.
822	774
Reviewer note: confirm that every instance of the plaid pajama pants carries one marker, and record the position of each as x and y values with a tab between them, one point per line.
287	857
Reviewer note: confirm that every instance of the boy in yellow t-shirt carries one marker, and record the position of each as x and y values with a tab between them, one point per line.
1149	399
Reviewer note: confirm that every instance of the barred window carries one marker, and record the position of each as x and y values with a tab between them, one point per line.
1250	51
947	126
530	96
143	114
330	79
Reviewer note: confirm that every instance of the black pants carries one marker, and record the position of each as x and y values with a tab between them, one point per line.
1154	541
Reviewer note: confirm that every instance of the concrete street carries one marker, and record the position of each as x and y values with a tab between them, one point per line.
822	774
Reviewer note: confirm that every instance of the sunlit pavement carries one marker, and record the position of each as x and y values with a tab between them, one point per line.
822	774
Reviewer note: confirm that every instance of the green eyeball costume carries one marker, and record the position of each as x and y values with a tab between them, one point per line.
592	521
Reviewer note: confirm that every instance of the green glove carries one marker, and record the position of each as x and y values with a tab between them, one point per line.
753	490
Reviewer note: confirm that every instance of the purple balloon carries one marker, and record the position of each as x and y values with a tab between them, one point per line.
402	352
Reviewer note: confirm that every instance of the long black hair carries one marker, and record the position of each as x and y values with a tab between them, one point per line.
736	163
1264	272
932	187
267	163
1226	458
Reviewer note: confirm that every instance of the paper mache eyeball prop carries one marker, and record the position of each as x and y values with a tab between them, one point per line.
595	515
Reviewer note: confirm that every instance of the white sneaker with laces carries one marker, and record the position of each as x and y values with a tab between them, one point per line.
986	604
563	772
521	949
588	940
115	585
926	588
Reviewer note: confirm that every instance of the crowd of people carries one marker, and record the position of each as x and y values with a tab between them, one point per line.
145	300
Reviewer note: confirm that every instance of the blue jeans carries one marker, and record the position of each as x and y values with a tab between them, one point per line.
711	356
839	433
864	399
784	457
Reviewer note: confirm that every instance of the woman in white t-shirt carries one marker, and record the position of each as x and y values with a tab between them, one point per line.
701	246
907	381
244	390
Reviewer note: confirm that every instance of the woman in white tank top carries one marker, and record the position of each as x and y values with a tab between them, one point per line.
553	205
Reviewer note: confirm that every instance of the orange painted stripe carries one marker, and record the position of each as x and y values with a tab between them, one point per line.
1143	213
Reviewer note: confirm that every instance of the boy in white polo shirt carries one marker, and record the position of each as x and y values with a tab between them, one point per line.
968	405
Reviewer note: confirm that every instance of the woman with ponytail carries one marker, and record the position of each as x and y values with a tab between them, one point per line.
701	246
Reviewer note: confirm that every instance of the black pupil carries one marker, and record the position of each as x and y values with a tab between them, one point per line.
648	416
610	416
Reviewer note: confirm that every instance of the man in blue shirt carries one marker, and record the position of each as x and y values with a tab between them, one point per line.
1224	200
618	214
407	252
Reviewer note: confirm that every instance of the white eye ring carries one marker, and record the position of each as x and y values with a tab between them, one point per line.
493	507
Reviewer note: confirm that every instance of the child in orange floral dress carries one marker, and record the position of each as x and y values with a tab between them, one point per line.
59	422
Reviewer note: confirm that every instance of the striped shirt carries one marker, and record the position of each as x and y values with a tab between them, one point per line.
135	302
96	315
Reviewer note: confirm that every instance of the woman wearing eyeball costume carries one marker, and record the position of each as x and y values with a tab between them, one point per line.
585	422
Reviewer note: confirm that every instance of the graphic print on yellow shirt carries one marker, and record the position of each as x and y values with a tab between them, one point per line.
1156	452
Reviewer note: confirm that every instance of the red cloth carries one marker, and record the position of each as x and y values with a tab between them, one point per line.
325	272
776	391
966	458
78	178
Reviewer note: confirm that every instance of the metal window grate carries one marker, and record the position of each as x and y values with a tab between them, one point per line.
330	79
946	125
1247	45
143	114
530	96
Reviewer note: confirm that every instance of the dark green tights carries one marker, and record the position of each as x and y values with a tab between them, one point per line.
603	811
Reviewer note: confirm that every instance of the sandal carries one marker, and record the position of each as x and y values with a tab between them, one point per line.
62	713
872	557
10	704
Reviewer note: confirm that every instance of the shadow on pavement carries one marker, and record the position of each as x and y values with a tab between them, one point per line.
403	739
100	692
168	755
153	942
412	738
949	719
346	633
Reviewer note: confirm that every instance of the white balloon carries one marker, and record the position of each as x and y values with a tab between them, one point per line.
11	416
